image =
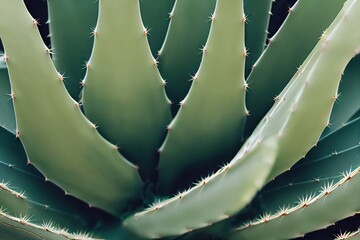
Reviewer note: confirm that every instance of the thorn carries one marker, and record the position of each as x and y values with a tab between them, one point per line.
146	31
155	62
283	213
270	40
171	16
94	126
247	113
21	196
12	95
77	105
60	77
22	221
290	10
356	52
164	83
336	97
46	179
6	58
195	77
212	17
48	51
244	19
87	65
245	53
276	98
203	50
28	162
168	128
93	33
17	134
328	124
306	200
322	36
250	225
36	22
246	86
82	83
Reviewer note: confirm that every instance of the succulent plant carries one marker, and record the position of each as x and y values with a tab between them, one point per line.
139	124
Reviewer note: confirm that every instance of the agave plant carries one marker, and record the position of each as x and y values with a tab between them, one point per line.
188	125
